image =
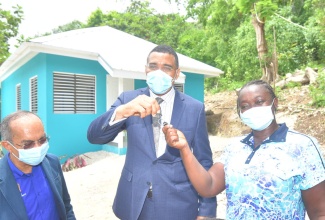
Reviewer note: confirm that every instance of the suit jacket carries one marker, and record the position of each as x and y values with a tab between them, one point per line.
11	203
173	194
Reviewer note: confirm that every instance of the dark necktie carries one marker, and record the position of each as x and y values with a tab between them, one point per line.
156	122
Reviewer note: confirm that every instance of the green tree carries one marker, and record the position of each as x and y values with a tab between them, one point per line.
142	21
287	33
260	11
9	24
68	27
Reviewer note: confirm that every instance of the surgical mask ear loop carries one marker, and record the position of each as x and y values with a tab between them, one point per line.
274	107
15	148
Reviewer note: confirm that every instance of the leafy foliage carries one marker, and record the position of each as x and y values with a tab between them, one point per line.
74	162
142	21
9	23
68	27
220	33
292	31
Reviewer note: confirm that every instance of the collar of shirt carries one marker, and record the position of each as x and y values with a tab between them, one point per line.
278	136
167	105
14	169
168	97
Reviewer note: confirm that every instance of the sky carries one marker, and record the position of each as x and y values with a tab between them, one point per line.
41	16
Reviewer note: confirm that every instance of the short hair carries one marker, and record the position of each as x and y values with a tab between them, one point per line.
5	129
165	49
258	82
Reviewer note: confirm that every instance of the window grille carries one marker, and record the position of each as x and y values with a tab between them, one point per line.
179	87
18	97
73	93
33	94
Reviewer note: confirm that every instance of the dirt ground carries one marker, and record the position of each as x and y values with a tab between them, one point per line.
294	109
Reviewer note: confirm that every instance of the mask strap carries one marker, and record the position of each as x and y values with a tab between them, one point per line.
274	107
15	148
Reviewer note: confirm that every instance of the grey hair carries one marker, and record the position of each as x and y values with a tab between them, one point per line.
5	129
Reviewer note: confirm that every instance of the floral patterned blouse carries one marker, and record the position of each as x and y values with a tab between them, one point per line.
266	182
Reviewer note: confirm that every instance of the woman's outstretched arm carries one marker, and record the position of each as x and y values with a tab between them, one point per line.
207	183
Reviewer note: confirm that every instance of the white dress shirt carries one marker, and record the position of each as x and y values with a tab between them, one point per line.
166	109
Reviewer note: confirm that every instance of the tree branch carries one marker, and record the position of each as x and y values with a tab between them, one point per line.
298	25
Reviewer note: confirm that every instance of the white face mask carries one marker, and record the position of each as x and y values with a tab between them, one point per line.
258	118
32	156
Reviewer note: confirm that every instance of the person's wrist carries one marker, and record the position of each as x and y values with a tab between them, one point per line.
185	150
120	113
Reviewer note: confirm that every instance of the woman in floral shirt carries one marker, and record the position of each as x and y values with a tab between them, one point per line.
272	173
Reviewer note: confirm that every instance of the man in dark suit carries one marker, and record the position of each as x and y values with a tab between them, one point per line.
32	184
153	183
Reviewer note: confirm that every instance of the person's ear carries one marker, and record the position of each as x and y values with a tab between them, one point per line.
146	69
178	71
6	145
275	104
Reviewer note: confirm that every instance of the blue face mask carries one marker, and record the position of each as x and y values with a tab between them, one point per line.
33	156
159	82
258	118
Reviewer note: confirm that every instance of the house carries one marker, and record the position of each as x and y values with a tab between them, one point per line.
71	78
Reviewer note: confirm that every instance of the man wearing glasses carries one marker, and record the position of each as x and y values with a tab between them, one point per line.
153	183
32	184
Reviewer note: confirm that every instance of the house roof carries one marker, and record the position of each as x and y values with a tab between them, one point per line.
121	54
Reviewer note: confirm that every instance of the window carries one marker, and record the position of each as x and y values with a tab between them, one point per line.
179	87
33	94
18	97
73	93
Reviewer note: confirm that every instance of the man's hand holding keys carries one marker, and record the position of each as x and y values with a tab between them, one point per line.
141	106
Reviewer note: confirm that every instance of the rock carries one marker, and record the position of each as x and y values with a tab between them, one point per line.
311	75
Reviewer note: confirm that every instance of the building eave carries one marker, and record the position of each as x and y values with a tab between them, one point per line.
28	50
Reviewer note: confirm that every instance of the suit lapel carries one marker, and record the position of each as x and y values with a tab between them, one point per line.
9	189
178	109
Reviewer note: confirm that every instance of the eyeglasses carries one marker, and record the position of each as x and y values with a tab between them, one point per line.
31	144
165	68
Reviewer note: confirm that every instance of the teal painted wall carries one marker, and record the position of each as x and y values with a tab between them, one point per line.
194	85
68	132
8	86
139	84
